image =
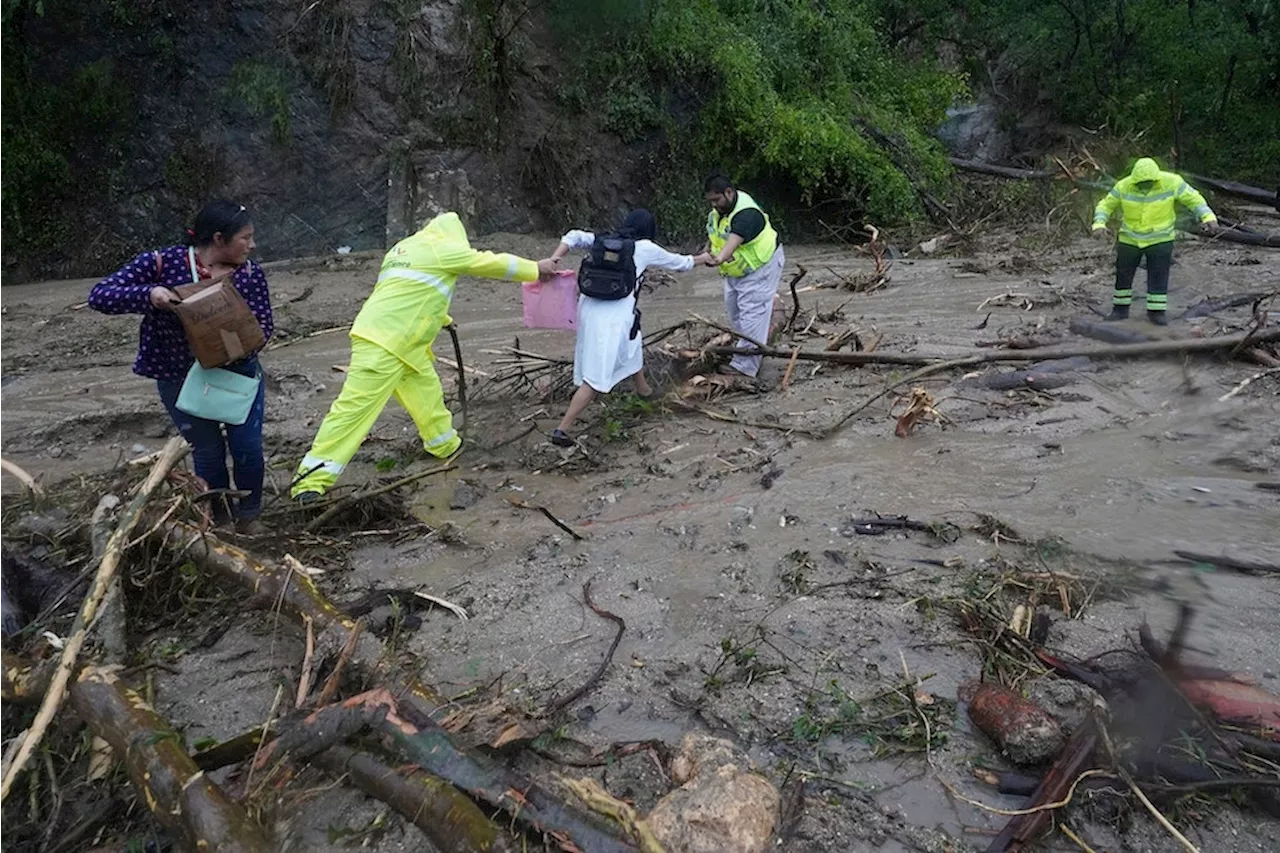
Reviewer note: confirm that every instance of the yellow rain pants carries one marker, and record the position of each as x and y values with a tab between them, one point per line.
374	377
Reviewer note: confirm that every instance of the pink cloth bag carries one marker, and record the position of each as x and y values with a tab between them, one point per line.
552	304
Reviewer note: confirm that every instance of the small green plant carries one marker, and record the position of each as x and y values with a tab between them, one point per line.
264	89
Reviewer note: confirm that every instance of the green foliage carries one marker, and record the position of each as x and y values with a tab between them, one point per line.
1200	78
60	142
788	92
264	89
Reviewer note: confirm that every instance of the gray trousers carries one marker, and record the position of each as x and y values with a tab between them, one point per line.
748	301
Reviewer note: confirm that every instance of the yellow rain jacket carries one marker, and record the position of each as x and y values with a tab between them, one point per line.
1148	218
410	303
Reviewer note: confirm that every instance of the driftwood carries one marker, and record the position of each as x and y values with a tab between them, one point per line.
172	452
1248	238
1248	567
420	799
350	500
193	809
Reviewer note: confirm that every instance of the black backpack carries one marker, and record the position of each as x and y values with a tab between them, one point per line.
609	270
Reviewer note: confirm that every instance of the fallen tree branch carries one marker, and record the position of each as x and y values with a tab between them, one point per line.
560	704
1233	188
347	501
431	748
174	450
422	799
1002	171
1249	567
190	807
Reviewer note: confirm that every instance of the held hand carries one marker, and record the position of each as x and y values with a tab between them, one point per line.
163	297
548	267
1211	228
712	261
702	260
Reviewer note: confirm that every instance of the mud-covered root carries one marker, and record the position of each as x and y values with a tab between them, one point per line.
181	798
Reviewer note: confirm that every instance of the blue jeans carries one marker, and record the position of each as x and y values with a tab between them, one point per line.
209	449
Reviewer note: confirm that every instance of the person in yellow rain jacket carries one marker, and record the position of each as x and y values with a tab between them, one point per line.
391	347
1147	201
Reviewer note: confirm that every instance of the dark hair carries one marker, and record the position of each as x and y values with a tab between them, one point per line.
716	182
639	225
217	217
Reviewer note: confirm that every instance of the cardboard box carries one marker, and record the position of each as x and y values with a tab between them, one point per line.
219	325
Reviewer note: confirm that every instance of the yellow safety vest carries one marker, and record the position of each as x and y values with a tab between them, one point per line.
410	303
1148	218
751	255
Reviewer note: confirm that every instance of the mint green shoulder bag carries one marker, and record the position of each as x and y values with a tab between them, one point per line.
218	395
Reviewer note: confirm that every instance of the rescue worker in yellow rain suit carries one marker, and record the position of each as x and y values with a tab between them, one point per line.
391	347
1146	200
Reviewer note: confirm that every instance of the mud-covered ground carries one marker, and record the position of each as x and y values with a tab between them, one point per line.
753	609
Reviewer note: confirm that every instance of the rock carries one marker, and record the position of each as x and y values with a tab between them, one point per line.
1068	702
722	805
44	525
975	132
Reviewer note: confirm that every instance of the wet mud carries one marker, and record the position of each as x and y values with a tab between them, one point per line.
750	597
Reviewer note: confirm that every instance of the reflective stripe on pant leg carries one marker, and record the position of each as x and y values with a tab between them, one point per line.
422	397
1127	259
755	309
370	381
1159	260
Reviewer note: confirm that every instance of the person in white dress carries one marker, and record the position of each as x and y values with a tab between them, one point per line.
610	347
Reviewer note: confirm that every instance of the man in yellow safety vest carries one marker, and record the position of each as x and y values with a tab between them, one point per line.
391	347
1147	201
745	247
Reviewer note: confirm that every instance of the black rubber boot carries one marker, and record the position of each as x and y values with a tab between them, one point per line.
1119	312
1158	317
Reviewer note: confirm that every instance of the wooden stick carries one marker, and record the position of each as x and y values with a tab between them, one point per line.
791	366
308	658
1246	383
22	476
341	505
194	810
332	683
174	450
523	504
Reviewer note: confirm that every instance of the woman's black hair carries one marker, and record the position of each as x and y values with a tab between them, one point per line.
716	182
217	217
639	225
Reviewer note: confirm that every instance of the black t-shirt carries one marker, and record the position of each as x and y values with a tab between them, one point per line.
747	224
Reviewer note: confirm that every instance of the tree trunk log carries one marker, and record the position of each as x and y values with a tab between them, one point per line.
1234	188
1003	171
193	809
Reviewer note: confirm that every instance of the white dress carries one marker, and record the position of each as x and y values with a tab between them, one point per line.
605	353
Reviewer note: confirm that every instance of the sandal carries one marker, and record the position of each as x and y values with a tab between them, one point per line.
560	438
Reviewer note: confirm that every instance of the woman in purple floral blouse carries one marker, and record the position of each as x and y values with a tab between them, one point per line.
220	242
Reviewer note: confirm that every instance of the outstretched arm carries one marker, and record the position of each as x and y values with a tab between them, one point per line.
1191	198
128	290
1106	206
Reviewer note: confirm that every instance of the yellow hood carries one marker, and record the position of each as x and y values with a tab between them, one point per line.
446	228
1145	169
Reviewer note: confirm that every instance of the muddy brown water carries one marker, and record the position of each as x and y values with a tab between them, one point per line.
1126	464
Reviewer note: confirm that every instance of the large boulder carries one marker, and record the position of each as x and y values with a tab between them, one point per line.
723	805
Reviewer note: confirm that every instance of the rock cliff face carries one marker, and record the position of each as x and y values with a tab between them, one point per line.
338	122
